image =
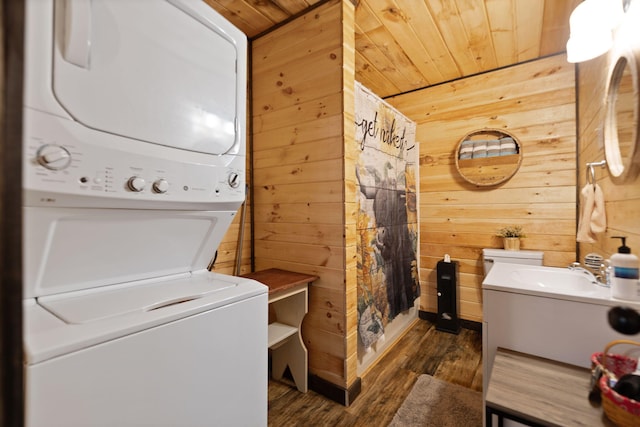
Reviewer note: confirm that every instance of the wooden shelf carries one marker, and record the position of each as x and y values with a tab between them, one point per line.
488	171
509	159
278	332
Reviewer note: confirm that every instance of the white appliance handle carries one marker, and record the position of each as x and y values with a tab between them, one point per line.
77	34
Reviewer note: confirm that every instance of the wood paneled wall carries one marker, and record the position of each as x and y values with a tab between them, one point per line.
622	200
302	94
535	101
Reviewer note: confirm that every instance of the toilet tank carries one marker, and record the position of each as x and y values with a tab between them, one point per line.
491	256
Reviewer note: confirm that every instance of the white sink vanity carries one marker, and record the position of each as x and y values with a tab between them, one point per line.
548	312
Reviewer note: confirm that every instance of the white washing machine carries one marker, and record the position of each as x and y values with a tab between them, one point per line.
134	167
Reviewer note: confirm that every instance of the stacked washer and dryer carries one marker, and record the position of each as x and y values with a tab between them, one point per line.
134	167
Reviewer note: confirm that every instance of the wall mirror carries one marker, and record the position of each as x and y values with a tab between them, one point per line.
488	157
622	149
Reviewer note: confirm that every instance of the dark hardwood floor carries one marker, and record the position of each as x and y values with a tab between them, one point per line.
422	350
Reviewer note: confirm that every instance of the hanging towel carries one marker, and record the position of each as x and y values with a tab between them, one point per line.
592	216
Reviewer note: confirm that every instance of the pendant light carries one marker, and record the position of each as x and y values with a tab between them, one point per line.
591	28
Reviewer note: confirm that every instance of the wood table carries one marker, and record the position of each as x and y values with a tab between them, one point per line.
540	392
288	304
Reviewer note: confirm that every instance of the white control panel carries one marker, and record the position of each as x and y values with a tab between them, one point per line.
65	160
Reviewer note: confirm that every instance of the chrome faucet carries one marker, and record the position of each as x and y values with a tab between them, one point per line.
595	279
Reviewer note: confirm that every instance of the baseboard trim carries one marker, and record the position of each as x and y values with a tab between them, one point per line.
467	324
334	392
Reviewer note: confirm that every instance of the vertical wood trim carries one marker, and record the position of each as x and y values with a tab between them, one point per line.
349	209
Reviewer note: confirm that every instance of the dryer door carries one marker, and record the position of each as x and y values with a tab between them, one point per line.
164	72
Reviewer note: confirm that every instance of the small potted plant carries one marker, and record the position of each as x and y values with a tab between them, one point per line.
511	236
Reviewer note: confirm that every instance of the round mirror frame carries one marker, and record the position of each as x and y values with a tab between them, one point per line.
489	171
621	169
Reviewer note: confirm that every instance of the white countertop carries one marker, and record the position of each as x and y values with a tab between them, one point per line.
509	278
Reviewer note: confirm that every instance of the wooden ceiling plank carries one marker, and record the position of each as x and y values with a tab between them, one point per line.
474	19
426	30
410	44
555	28
450	24
529	17
370	63
365	19
381	61
293	7
396	21
501	16
242	16
270	9
372	78
385	39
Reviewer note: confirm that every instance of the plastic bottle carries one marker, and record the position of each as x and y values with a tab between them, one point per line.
624	283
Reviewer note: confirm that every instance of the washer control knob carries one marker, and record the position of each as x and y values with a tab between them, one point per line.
234	180
53	157
136	184
160	186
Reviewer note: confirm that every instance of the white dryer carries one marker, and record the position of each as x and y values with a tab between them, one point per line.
134	167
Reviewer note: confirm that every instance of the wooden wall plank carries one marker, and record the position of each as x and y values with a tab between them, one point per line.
536	102
622	200
300	152
315	234
301	115
299	213
312	172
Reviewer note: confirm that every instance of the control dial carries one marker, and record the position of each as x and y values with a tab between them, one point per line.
136	184
53	157
234	180
160	186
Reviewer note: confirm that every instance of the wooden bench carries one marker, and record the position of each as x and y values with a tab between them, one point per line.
288	304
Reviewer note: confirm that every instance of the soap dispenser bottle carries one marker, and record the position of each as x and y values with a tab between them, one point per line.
624	283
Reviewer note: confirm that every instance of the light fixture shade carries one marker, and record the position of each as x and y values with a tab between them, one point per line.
588	45
591	24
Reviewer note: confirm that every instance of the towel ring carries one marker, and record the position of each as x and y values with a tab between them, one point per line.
591	173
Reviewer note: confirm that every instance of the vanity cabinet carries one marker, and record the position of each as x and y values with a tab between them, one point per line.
557	329
562	330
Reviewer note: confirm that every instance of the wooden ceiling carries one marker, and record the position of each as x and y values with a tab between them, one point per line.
402	45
